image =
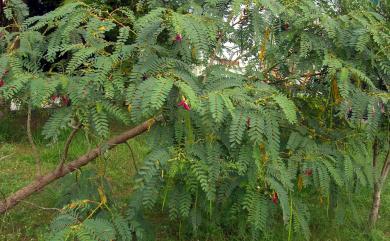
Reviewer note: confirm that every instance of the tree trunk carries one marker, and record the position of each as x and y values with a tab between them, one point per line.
375	204
378	185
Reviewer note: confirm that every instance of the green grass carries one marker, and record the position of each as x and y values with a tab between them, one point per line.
30	219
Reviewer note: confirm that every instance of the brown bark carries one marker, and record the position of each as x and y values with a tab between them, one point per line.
45	180
376	202
378	185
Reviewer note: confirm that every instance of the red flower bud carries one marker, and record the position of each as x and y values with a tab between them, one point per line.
53	97
275	198
309	172
181	103
184	103
186	106
2	83
178	38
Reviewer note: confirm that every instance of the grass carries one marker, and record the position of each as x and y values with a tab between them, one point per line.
30	220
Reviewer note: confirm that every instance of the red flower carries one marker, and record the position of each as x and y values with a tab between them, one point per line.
275	198
178	38
2	83
65	100
184	103
53	97
309	172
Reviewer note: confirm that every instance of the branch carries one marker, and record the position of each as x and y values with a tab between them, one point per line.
375	153
132	156
67	145
31	140
15	198
385	169
43	208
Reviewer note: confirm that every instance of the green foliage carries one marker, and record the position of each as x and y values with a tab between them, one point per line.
303	88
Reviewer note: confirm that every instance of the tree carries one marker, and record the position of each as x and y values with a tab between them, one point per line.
286	101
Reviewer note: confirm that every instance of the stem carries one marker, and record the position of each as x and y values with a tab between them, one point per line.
378	185
67	145
291	217
132	156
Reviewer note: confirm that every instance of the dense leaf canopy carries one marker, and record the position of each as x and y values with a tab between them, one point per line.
267	106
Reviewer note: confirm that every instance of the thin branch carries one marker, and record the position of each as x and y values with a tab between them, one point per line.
67	145
375	153
132	156
385	169
40	207
37	158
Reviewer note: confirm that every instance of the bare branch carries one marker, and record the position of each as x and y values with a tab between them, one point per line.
43	208
67	145
132	156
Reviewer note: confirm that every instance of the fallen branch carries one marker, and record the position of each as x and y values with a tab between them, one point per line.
83	160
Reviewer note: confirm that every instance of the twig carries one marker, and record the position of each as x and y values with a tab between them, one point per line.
33	146
5	157
132	156
67	145
43	208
